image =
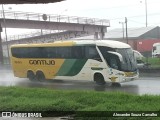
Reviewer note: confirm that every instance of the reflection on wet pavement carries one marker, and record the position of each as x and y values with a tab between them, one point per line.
140	86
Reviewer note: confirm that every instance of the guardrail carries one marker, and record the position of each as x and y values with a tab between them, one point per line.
30	34
53	18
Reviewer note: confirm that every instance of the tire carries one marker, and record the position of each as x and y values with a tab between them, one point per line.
30	75
116	85
40	76
99	79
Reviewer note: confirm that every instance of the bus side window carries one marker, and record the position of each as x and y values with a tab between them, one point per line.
77	52
36	52
92	53
16	53
63	52
50	52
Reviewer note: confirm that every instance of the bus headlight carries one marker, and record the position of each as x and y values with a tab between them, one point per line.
113	79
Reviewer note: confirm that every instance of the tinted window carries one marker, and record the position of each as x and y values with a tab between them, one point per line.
78	52
91	52
73	52
27	52
63	52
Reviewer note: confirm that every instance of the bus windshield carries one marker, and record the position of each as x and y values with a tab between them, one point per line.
128	62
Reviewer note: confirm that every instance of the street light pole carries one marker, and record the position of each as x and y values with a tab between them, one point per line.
126	29
146	13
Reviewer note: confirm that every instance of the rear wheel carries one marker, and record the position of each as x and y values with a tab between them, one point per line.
99	79
30	75
40	76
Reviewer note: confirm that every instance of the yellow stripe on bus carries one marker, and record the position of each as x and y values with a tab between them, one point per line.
48	66
58	43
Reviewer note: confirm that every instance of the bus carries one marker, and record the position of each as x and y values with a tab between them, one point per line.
96	60
156	50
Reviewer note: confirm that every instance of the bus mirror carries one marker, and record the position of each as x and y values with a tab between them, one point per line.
117	54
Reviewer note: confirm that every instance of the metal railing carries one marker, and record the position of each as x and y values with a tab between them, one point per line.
53	18
30	34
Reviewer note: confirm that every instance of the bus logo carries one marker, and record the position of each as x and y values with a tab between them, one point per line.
6	114
42	62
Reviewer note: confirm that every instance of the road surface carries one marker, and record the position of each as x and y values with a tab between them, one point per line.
144	85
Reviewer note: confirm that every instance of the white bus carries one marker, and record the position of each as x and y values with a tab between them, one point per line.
100	61
156	50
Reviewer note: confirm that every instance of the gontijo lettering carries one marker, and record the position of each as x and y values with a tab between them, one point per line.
42	62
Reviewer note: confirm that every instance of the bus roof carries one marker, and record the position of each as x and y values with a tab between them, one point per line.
108	43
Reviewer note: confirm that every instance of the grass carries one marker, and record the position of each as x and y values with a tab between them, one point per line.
155	62
37	99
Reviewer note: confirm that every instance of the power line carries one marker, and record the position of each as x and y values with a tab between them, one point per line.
135	21
118	30
151	14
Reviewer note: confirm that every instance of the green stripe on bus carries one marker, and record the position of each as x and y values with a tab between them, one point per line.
66	66
71	67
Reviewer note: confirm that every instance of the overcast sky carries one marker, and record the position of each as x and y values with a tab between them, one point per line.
113	10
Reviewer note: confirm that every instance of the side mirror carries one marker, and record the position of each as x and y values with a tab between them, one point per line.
117	54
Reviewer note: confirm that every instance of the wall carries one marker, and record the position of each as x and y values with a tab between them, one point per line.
146	45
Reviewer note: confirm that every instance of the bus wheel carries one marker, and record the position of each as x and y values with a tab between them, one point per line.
116	84
40	76
99	79
30	75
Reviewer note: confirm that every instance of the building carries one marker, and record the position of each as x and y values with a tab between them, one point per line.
141	39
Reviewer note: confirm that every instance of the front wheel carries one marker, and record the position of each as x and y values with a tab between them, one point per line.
114	84
99	79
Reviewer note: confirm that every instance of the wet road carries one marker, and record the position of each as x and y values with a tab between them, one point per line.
143	85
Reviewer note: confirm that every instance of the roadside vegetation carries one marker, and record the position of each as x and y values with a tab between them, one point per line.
152	62
41	99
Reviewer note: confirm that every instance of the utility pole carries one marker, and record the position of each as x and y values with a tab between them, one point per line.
146	13
1	50
126	29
